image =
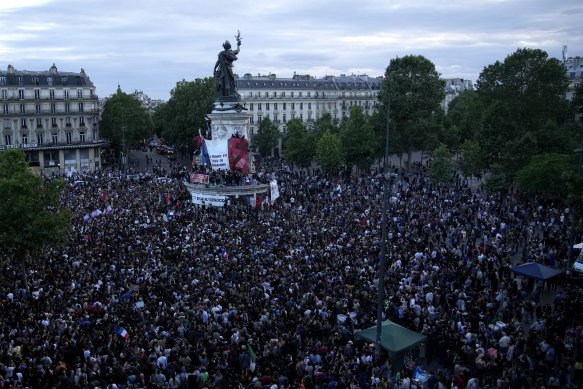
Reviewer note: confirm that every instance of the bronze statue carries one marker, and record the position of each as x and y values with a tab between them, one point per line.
225	87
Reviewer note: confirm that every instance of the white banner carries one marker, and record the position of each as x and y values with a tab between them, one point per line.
274	190
200	199
218	151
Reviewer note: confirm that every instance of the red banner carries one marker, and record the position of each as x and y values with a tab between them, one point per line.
239	155
200	178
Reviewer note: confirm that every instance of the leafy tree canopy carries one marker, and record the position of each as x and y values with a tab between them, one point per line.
266	138
32	217
329	153
441	168
123	110
180	119
358	140
299	146
413	90
545	174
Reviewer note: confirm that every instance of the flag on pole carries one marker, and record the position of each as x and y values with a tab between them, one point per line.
123	333
252	357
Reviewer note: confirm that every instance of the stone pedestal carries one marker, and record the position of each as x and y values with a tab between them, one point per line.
227	119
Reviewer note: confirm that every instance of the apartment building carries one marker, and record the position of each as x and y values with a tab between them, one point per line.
53	117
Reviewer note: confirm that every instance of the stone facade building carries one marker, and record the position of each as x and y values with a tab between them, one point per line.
53	117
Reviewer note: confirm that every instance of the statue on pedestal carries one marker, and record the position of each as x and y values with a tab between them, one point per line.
225	87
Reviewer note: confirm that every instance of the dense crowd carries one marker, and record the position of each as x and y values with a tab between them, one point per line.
154	292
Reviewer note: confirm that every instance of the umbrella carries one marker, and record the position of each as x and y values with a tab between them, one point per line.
492	353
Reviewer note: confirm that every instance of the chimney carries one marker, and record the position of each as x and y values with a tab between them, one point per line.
53	69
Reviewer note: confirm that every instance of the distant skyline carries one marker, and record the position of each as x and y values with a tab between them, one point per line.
149	45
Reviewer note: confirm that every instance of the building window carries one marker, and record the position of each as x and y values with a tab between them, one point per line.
292	95
82	137
39	123
309	105
4	94
284	118
275	106
5	109
80	107
24	139
302	117
250	106
275	118
2	80
251	120
53	122
283	94
82	121
7	123
68	121
39	138
250	95
267	106
52	94
66	94
23	123
7	140
274	95
50	81
67	107
300	94
79	93
21	94
37	108
69	137
55	138
301	105
251	130
259	106
22	108
293	116
20	81
284	106
293	105
64	80
53	108
258	119
37	94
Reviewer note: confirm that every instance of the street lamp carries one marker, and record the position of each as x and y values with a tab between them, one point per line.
383	262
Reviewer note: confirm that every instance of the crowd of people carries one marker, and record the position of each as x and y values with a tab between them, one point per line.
155	292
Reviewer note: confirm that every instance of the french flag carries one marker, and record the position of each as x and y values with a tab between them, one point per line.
123	333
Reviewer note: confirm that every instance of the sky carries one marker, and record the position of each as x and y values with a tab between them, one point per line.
150	45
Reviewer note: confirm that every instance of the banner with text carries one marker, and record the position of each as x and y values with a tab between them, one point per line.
206	199
274	190
239	155
199	178
218	152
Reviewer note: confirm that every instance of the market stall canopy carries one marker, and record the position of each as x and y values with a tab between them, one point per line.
394	338
536	271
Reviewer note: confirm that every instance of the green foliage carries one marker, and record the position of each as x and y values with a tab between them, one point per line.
441	168
575	195
329	153
120	110
299	146
545	174
529	83
497	179
471	162
266	138
464	118
179	120
30	210
323	124
414	91
358	141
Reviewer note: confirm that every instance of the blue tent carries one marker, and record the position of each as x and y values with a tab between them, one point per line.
536	271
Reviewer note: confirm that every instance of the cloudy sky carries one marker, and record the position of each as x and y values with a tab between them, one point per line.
149	45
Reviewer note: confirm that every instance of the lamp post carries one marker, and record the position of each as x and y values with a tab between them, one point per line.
383	262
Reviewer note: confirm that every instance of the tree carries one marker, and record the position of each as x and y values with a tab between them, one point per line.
358	139
299	147
464	119
32	218
529	83
266	138
179	120
323	124
545	174
441	168
329	153
123	110
414	92
471	158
